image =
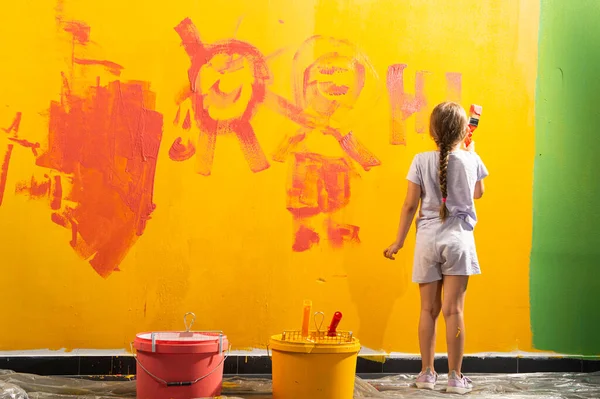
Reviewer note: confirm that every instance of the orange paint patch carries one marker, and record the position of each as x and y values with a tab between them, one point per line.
108	143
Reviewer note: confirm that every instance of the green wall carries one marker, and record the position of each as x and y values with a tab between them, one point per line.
565	258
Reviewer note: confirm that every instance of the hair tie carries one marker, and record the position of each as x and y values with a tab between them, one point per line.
444	200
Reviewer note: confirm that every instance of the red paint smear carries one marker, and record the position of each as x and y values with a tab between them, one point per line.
359	152
177	116
340	233
349	143
4	170
60	8
290	111
60	220
200	55
112	67
56	193
318	184
14	126
402	104
187	123
35	189
255	157
79	30
305	238
454	87
205	151
67	222
190	38
108	142
420	102
14	129
27	144
320	54
180	151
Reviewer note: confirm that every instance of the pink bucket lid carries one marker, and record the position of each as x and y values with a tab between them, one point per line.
181	342
187	341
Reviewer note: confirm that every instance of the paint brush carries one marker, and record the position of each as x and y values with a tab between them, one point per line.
306	318
475	115
337	317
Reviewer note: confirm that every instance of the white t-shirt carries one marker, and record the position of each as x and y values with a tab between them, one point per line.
465	169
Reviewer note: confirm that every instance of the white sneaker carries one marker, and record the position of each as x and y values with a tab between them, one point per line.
459	384
427	379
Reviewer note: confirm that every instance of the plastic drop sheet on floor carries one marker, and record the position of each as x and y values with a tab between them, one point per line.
514	386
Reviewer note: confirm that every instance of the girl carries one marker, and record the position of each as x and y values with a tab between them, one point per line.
445	182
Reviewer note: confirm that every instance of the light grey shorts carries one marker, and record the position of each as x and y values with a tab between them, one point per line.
444	249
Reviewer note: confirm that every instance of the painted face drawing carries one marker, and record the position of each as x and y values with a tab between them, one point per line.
227	83
332	81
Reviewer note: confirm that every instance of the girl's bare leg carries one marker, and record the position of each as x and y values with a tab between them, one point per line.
431	305
455	288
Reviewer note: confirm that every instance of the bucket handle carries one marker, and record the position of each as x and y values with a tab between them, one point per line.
179	383
188	327
318	326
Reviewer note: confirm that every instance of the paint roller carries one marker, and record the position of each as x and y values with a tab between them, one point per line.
474	116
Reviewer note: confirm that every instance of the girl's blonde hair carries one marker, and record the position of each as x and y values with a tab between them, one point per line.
448	126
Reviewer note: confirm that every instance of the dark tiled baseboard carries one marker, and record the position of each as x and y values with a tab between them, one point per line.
261	365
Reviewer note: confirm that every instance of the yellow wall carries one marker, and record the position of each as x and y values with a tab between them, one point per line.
220	246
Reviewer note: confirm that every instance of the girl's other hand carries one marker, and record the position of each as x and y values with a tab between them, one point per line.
392	250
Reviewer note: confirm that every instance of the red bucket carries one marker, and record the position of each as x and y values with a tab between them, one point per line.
180	365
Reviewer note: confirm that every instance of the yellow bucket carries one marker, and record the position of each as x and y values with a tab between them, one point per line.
305	370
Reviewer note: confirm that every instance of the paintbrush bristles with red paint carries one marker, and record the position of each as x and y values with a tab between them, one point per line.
475	115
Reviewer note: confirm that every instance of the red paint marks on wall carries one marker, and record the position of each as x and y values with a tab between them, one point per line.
80	33
107	142
113	67
339	233
403	105
305	238
421	105
319	185
35	189
49	187
79	30
13	129
347	142
27	144
100	163
12	138
227	82
329	76
358	152
187	122
181	152
4	170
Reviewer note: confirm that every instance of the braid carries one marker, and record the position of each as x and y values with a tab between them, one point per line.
444	155
448	127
